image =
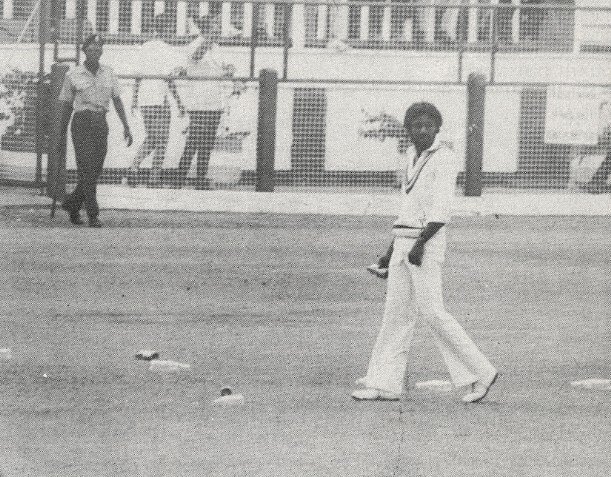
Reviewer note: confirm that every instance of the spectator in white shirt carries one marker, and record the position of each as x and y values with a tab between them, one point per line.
151	96
204	100
414	278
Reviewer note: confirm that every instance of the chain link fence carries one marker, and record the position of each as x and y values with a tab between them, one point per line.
348	72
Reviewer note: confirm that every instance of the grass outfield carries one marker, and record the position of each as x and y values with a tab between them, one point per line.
281	308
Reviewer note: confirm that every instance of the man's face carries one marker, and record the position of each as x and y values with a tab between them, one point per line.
93	52
422	131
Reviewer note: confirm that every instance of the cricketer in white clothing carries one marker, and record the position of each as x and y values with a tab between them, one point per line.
414	279
204	100
155	57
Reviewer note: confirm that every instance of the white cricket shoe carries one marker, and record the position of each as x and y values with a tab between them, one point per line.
479	389
378	271
373	394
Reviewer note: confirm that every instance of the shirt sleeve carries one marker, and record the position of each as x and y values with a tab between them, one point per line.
115	88
67	91
444	186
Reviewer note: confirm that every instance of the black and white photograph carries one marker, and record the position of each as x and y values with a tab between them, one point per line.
305	238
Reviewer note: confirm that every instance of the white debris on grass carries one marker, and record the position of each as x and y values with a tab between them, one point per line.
229	400
5	354
167	366
437	385
593	383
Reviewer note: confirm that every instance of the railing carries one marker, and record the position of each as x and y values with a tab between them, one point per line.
523	24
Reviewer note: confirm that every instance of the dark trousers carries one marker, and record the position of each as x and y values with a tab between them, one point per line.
90	138
200	140
598	182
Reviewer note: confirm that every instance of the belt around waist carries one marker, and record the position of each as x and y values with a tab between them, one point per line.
406	231
90	112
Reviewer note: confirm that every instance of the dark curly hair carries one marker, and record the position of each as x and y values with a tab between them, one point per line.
418	109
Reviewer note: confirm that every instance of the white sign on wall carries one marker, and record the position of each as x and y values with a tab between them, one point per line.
362	122
573	114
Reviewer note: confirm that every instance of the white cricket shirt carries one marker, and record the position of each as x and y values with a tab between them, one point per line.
203	95
155	57
430	199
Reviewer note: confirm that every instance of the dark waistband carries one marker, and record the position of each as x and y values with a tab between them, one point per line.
89	112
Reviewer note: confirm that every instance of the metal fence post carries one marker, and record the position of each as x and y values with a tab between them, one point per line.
266	130
56	186
476	95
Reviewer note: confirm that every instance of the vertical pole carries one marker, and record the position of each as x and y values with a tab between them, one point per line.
136	26
92	7
56	186
286	38
225	19
386	19
266	130
495	43
364	24
80	26
42	89
297	31
461	31
7	10
247	22
476	95
253	37
55	27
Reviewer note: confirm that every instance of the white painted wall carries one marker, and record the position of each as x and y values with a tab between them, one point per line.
590	68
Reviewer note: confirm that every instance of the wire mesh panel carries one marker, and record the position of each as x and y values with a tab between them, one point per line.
18	93
554	137
210	144
350	137
154	40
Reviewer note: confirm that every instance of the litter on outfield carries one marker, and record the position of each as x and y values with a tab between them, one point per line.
231	400
5	354
167	366
436	385
147	355
228	398
593	383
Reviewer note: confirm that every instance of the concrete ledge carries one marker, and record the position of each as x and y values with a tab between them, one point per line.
332	203
345	203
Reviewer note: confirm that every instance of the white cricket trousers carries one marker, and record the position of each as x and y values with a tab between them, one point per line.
416	291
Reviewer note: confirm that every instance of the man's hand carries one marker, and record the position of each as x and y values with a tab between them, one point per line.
384	261
127	134
416	253
181	110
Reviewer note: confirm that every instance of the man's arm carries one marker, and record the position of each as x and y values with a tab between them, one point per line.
384	261
176	96
116	100
417	252
66	113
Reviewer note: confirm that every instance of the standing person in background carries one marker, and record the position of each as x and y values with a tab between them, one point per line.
87	91
414	272
204	100
151	95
